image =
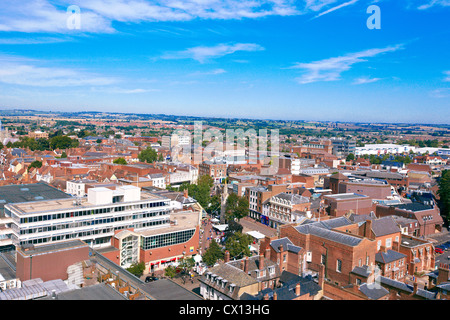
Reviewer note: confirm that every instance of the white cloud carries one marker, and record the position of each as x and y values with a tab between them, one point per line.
447	75
345	4
98	15
207	73
330	69
41	16
432	3
364	80
203	54
17	72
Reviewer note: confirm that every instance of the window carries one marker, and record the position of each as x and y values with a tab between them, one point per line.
323	259
378	244
388	242
339	265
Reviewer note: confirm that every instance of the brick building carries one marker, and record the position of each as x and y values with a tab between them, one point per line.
339	204
49	261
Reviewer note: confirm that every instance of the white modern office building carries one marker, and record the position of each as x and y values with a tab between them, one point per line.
93	219
381	149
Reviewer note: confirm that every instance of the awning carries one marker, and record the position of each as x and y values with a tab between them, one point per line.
220	227
256	234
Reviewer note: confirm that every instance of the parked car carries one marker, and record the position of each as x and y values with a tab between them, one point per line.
150	279
445	245
438	250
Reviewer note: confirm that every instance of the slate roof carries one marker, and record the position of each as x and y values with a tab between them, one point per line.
373	292
363	271
388	256
335	236
287	245
288	282
384	226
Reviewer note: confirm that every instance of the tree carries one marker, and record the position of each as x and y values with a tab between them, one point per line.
444	194
350	157
62	142
120	161
236	207
170	271
212	254
137	269
35	164
238	245
148	155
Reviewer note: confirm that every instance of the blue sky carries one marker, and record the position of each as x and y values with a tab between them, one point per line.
271	59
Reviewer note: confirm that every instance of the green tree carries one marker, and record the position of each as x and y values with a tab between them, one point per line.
170	271
120	161
238	245
213	254
35	164
62	142
148	155
236	207
137	269
444	194
350	157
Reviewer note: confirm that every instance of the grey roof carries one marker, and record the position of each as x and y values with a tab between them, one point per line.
373	292
288	282
17	193
384	226
364	271
293	198
335	236
100	291
287	245
388	256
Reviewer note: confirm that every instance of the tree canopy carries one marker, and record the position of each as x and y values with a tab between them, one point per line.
148	155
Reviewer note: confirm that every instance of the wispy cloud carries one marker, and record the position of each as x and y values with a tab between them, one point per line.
433	3
22	72
42	16
207	73
364	80
203	54
97	16
330	69
119	90
447	75
345	4
440	93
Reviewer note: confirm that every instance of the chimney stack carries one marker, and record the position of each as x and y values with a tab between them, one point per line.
261	262
368	229
275	297
246	265
185	193
227	256
267	253
297	289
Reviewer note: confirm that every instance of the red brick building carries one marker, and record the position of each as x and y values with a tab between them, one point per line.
49	261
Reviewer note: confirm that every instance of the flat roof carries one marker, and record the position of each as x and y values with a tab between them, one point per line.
46	248
345	196
62	204
185	220
19	193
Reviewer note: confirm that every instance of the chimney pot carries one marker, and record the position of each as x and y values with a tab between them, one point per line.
297	289
261	262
